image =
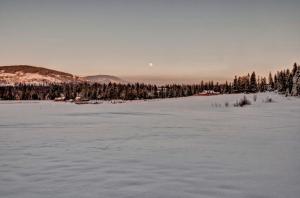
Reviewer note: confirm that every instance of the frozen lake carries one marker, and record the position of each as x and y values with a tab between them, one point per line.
184	147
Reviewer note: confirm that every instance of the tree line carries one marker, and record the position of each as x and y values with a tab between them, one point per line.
282	81
109	91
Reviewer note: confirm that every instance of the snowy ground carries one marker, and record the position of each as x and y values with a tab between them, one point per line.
183	148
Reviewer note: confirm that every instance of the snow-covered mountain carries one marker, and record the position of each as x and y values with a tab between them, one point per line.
104	79
11	75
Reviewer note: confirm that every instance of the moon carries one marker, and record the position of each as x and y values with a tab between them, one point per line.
150	64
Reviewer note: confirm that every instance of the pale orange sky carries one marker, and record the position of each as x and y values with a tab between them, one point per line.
186	41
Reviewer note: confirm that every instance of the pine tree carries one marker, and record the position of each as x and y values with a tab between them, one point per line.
271	82
275	82
235	85
253	83
290	83
263	84
294	69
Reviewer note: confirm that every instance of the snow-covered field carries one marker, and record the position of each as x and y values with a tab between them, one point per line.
184	147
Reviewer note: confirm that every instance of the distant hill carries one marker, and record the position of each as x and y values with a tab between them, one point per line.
15	74
104	79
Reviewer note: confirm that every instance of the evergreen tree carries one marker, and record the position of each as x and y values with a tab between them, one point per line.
271	82
294	69
235	85
253	83
263	84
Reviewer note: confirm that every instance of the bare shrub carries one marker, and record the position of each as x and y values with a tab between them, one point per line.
269	100
242	102
226	104
255	98
216	105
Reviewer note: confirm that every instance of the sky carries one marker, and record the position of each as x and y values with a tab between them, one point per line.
152	40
